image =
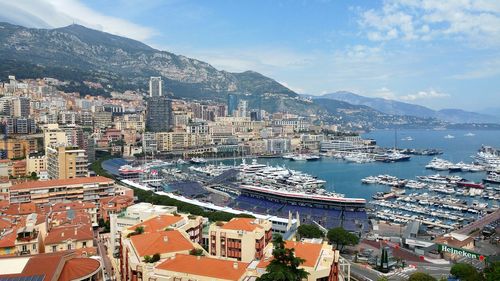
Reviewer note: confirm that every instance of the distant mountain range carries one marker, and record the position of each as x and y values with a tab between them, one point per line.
77	54
401	108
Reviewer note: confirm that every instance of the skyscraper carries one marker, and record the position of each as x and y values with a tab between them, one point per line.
155	87
232	104
159	114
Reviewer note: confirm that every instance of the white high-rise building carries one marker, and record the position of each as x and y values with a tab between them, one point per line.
155	87
242	108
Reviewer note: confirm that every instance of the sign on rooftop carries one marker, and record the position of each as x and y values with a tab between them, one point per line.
460	252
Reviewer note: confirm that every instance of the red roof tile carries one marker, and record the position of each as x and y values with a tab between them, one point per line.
205	266
157	223
74	232
247	224
60	182
161	242
78	268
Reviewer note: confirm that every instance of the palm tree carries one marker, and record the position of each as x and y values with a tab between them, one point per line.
285	265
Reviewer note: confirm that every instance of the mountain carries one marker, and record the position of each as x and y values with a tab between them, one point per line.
76	53
401	108
462	116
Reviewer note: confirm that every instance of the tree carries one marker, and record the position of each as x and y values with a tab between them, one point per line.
383	266
465	272
309	231
420	276
139	230
285	265
155	258
34	176
492	272
196	252
341	237
383	278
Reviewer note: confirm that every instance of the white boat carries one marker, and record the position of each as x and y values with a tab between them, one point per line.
198	160
181	162
449	136
469	134
407	139
299	157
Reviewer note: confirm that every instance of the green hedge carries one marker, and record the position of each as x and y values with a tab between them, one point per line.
153	198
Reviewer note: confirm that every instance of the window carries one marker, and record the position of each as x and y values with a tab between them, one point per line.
34	246
54	249
84	244
69	246
24	248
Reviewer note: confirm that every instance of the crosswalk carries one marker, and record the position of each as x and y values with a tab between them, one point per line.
402	275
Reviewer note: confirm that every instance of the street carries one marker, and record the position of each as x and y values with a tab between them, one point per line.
101	249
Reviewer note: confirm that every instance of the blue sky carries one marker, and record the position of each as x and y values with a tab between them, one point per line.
441	54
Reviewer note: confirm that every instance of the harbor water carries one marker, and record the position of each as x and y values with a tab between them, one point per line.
344	177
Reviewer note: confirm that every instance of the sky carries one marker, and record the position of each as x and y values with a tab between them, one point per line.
440	54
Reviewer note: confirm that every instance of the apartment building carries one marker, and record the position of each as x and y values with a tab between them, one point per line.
131	216
60	190
113	205
59	266
53	135
25	238
242	239
321	261
72	237
36	163
189	267
166	244
66	162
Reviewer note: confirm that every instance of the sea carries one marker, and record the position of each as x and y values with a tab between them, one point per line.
345	178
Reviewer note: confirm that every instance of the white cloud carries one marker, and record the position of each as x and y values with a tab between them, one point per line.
261	59
430	94
385	93
477	22
58	13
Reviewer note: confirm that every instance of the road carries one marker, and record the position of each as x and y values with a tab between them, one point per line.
101	249
362	273
479	223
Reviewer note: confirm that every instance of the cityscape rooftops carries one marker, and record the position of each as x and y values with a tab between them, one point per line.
246	224
161	242
62	266
72	232
158	223
310	252
61	182
205	266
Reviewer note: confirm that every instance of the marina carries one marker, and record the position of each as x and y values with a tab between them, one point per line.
279	186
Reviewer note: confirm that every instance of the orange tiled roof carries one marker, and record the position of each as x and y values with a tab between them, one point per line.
21	209
118	199
50	265
86	252
157	223
310	252
247	224
76	205
205	266
5	223
9	240
78	268
60	182
155	242
78	217
40	264
74	232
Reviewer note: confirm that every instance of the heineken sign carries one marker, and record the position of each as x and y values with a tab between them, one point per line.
460	252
